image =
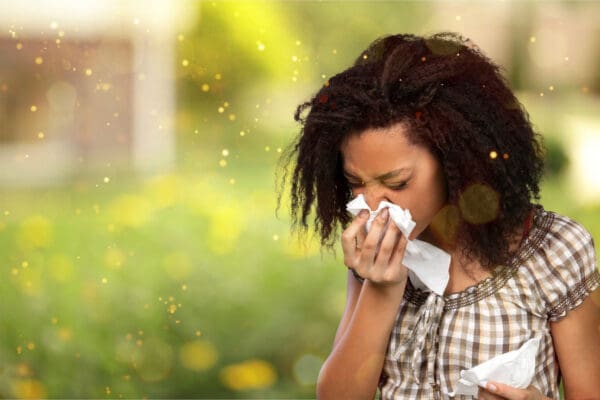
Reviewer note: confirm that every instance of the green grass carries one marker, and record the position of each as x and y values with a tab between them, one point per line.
156	287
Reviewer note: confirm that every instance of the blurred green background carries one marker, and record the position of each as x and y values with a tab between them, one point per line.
178	280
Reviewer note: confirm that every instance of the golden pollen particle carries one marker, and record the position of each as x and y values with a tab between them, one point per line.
532	39
33	108
221	110
505	156
223	163
493	154
185	63
39	60
88	72
205	87
225	152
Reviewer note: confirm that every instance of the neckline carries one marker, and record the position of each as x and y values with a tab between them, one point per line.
540	226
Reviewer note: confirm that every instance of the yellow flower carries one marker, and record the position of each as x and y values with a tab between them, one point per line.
34	232
250	374
28	389
164	190
226	225
130	210
199	355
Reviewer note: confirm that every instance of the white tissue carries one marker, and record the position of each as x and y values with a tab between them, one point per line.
515	368
428	265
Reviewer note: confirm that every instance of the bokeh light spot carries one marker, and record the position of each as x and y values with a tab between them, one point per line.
153	362
35	232
247	375
198	355
493	154
28	389
479	204
306	369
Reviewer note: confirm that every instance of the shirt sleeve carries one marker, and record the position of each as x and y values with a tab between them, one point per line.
571	270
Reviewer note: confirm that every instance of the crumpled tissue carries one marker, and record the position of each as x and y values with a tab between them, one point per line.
427	264
515	368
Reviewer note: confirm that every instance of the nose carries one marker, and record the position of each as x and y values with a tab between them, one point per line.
374	194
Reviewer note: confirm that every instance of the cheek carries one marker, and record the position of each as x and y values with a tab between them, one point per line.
424	204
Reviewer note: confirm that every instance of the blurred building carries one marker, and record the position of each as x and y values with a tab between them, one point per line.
86	84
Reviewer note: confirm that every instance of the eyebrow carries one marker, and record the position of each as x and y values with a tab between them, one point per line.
383	177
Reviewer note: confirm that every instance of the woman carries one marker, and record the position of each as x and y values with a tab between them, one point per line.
429	124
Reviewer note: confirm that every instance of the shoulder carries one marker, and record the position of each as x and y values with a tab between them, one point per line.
558	238
561	261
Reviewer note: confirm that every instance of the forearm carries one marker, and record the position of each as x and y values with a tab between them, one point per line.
353	368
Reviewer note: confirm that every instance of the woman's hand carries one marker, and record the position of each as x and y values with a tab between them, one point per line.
495	390
379	261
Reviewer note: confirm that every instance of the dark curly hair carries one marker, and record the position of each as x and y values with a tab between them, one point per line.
455	102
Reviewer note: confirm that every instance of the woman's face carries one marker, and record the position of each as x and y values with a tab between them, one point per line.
383	164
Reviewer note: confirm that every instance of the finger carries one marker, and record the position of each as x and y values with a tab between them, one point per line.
483	394
399	250
508	392
388	243
354	231
371	242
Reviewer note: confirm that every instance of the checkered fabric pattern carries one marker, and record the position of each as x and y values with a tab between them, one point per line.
435	338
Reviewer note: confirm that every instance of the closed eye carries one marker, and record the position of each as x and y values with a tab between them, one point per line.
398	186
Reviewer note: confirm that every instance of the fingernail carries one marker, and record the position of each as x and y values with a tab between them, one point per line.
363	214
384	213
491	387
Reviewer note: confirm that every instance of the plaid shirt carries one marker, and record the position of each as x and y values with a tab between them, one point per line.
434	337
